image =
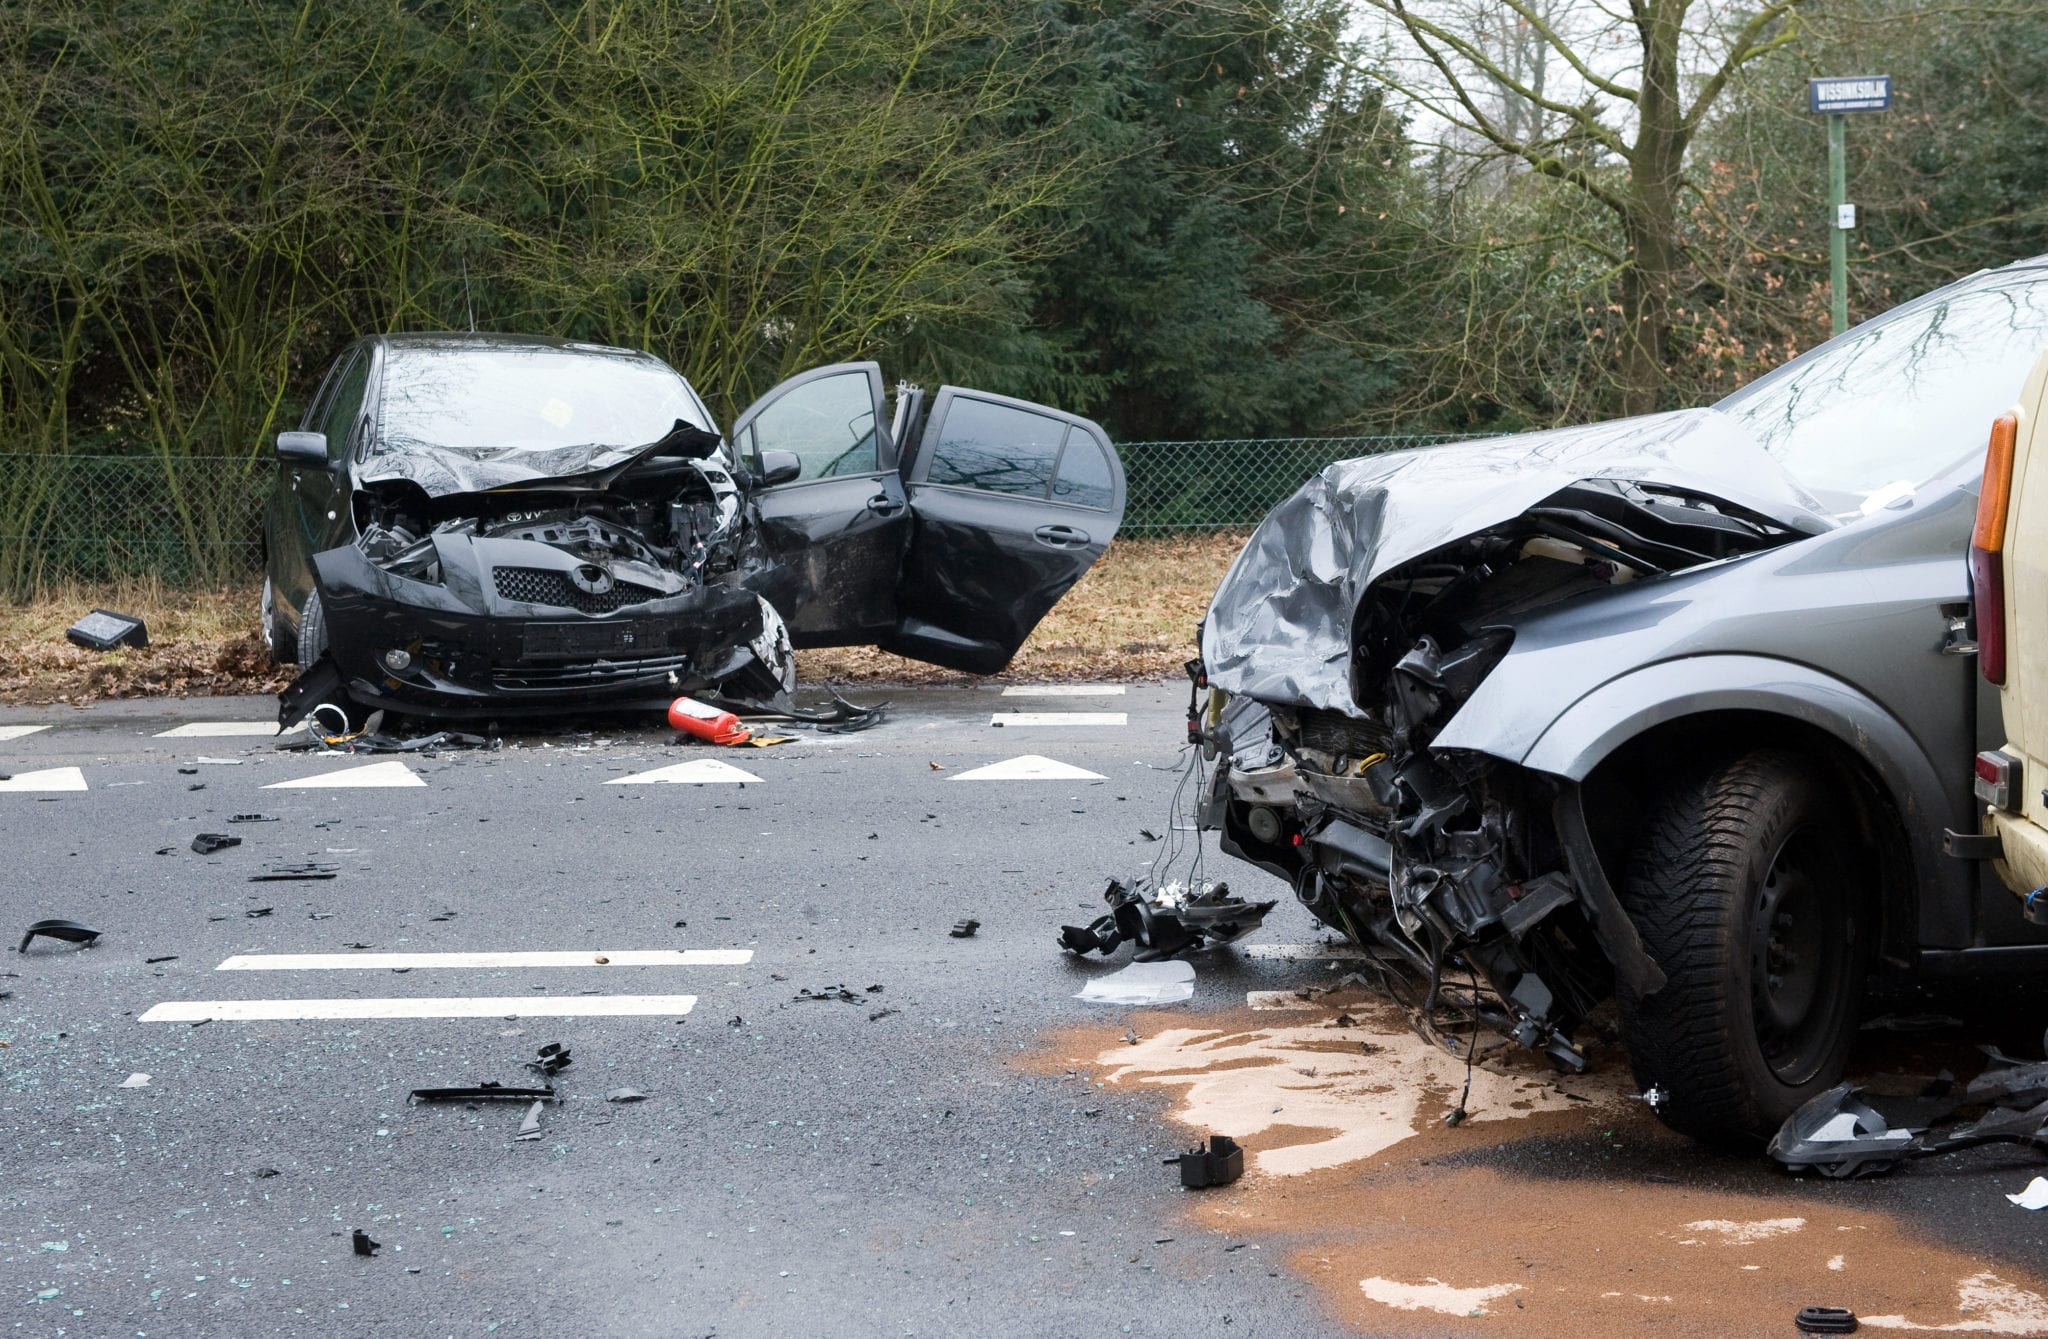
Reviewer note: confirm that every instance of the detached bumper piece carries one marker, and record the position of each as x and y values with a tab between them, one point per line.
1165	921
1848	1132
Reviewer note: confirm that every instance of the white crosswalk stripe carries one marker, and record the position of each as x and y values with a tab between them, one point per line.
696	772
1034	718
457	1006
46	779
219	730
1029	767
1064	690
376	774
659	957
8	732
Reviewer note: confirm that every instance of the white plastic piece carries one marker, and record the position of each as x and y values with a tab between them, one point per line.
2035	1196
1142	983
136	1081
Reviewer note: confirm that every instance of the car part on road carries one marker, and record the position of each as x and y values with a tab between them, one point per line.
1825	1320
481	1092
2034	1197
206	843
252	818
1143	983
1166	920
71	932
104	630
529	1127
1216	1163
551	1060
304	870
1848	1132
830	994
363	1244
964	929
625	1095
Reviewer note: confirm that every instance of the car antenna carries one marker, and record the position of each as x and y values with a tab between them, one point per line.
467	301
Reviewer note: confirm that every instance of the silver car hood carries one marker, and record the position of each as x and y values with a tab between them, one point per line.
1279	627
445	471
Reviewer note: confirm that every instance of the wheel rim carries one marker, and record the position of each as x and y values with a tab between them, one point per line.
1799	939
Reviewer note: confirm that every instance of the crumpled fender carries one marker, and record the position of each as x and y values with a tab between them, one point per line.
1578	739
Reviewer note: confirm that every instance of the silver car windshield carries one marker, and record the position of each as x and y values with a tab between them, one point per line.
1878	411
512	400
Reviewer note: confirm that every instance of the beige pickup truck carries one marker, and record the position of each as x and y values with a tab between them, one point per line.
2009	596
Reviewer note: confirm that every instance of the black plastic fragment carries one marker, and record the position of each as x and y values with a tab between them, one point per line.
69	931
1825	1320
252	818
482	1092
363	1244
284	873
104	630
258	913
1217	1163
625	1095
1165	922
552	1059
168	957
964	929
805	995
206	843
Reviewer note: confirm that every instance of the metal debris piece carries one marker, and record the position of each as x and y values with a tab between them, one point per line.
552	1059
1825	1320
964	929
363	1244
1166	920
1142	983
1216	1163
309	869
481	1092
625	1095
69	931
206	843
529	1128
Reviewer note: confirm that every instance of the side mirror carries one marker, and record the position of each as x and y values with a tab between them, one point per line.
302	448
780	467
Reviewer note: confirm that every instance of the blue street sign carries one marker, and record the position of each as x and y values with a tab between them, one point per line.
1850	93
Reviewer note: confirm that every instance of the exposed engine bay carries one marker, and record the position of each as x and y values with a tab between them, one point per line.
1470	883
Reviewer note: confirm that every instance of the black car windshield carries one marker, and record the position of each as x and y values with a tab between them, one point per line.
1878	411
520	398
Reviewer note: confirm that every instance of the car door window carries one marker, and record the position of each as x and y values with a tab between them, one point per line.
1084	479
829	424
346	408
996	447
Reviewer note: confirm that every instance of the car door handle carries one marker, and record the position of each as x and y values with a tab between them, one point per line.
1061	536
883	504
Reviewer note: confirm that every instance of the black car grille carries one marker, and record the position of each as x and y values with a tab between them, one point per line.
541	585
585	674
1348	736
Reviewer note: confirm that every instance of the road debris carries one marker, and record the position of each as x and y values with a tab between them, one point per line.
105	630
529	1128
142	1081
2035	1196
1851	1132
805	995
304	870
1825	1320
363	1244
1143	983
1216	1163
168	957
206	843
70	932
252	818
1165	920
964	929
258	913
625	1095
551	1060
481	1092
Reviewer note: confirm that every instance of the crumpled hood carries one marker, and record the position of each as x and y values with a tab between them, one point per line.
443	471
1279	627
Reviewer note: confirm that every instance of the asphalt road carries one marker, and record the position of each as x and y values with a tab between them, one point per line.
797	1167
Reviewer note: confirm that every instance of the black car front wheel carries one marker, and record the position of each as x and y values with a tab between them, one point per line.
1744	888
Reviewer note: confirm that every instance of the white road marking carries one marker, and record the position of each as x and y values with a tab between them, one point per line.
696	772
458	1006
1029	767
1008	718
1277	999
219	730
1301	952
49	778
1064	690
19	731
635	957
375	774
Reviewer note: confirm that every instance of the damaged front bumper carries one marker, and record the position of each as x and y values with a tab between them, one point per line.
462	647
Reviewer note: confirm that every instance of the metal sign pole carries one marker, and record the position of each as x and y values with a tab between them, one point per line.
1838	235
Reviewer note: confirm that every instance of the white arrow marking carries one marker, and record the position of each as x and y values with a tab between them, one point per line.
635	957
376	774
218	730
1030	767
49	778
696	772
458	1006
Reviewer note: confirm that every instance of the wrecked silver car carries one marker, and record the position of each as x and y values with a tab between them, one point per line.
492	525
1678	711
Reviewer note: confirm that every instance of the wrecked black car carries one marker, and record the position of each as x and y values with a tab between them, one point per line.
1679	711
493	525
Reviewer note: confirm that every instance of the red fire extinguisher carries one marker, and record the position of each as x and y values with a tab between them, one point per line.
695	718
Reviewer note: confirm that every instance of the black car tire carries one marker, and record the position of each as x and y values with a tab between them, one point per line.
284	647
312	631
1743	886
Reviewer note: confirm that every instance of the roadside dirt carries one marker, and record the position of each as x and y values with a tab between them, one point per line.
1132	617
1558	1208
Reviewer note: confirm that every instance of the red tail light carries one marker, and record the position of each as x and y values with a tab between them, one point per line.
1987	549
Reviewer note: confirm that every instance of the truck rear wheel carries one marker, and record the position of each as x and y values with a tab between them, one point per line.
1744	889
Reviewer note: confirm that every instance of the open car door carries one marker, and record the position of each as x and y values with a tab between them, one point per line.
1013	503
835	534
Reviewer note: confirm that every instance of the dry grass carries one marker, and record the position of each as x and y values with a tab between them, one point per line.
1133	616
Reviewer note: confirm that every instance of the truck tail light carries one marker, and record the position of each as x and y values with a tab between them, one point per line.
1998	780
1987	549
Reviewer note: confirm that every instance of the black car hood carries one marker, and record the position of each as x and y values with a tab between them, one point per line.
1279	627
443	471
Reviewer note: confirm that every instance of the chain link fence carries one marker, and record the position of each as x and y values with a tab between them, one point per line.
196	520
